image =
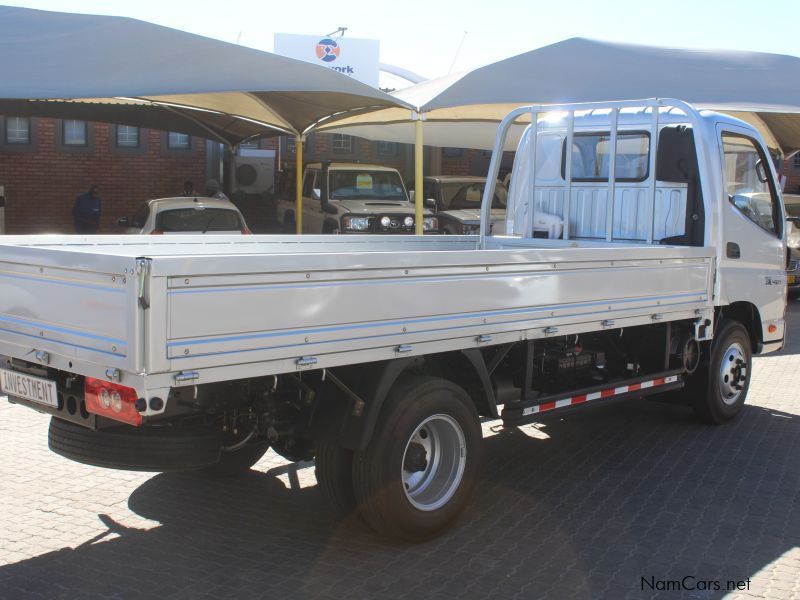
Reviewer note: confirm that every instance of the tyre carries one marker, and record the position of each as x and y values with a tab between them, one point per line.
334	471
419	469
136	448
289	224
719	392
236	462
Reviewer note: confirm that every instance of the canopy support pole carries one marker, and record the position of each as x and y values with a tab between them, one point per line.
298	194
419	199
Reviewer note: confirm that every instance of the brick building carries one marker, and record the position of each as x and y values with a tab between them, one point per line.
46	163
791	171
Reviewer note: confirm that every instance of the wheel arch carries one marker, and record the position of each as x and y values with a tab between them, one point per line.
748	315
336	419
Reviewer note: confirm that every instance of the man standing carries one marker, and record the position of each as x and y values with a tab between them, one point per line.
86	211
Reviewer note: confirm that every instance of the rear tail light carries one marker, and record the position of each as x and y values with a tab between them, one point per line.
246	231
111	400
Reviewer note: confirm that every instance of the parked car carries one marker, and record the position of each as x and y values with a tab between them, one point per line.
185	215
353	198
457	202
792	204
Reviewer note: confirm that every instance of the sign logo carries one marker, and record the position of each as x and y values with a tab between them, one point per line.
327	50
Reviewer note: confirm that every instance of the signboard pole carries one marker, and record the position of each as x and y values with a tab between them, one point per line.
418	175
298	197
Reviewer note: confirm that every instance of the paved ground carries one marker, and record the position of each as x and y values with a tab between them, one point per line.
607	504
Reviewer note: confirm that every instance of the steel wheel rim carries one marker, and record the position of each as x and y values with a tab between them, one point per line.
732	373
433	462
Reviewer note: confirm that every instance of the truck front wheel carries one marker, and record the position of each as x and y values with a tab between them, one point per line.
418	471
721	388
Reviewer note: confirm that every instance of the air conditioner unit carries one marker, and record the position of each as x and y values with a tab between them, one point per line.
254	171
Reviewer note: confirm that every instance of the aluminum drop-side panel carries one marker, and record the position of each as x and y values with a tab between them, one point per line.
231	318
79	314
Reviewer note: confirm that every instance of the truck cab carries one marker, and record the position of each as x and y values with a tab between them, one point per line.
681	177
353	198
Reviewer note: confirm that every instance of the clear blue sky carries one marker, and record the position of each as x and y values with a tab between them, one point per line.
423	36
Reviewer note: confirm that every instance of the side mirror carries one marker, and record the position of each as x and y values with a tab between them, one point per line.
123	222
794	221
412	194
327	207
429	203
316	193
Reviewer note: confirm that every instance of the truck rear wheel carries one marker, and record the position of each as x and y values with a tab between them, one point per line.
719	393
334	471
418	471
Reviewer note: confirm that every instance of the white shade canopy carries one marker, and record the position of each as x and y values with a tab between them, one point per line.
127	71
467	106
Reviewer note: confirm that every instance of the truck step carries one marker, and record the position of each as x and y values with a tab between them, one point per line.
528	411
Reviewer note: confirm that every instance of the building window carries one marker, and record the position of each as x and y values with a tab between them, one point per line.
178	141
127	136
342	144
452	152
387	148
797	161
18	130
75	133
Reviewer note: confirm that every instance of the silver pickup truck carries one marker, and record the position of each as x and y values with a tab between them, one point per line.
378	355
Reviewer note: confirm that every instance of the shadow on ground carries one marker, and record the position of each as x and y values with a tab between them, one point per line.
578	509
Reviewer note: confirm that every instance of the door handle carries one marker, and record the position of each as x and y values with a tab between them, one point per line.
732	250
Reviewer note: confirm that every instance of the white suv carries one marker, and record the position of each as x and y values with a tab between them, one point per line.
353	198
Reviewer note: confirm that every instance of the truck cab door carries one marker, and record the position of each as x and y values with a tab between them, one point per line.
752	262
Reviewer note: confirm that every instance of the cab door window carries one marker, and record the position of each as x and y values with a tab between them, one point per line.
748	183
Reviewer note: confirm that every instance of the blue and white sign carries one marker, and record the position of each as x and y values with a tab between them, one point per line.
357	58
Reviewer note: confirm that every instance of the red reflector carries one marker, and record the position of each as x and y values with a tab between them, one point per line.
772	329
111	400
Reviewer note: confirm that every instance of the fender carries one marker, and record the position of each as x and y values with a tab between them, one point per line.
336	417
336	420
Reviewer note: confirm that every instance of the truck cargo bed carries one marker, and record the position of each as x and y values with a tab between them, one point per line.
210	308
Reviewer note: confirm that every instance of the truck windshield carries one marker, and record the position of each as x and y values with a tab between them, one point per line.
363	185
457	195
200	220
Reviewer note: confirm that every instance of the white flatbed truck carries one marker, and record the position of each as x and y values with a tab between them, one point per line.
377	355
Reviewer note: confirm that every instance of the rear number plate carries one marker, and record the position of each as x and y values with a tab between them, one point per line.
35	389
